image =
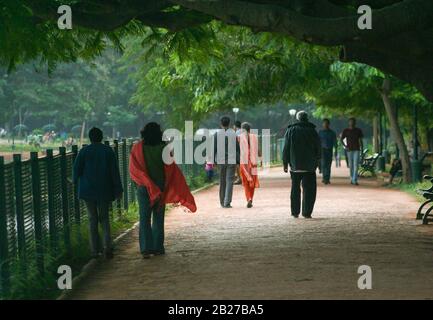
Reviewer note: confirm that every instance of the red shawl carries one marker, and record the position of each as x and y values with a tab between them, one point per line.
176	189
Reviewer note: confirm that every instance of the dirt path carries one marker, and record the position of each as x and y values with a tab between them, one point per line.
262	253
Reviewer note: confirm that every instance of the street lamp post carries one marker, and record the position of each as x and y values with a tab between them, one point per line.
235	111
292	113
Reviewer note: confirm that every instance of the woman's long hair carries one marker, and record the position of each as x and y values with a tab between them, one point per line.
152	134
246	126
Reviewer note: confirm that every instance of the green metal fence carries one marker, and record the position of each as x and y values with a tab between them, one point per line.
41	215
276	146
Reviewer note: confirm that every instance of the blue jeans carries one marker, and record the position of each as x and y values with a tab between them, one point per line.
209	175
151	235
353	157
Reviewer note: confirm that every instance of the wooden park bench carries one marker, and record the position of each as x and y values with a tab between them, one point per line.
426	209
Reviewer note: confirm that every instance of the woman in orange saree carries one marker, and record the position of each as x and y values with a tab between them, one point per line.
249	146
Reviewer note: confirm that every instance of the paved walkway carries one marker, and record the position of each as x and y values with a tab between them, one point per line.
262	253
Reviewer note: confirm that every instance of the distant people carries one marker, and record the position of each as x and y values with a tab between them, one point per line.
46	137
328	140
238	131
351	138
338	152
396	167
52	136
96	172
302	152
69	142
158	184
226	153
238	127
249	159
210	171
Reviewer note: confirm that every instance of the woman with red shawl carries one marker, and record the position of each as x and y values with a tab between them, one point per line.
158	184
249	146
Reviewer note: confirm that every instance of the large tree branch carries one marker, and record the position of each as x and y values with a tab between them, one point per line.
420	75
377	4
174	20
106	19
403	16
106	15
100	15
312	8
418	46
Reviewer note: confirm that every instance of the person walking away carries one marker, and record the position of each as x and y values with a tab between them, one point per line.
158	184
226	156
302	152
96	173
351	138
338	153
238	127
249	148
238	130
396	167
209	168
328	140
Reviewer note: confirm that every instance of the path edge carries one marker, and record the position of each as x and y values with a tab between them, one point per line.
94	262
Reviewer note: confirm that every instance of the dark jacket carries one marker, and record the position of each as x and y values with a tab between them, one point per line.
96	172
301	147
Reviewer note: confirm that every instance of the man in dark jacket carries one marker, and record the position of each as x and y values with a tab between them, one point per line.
302	152
96	172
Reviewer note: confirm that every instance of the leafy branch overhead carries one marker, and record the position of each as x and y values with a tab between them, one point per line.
400	42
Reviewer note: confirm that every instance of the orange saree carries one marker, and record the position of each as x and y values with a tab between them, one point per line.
249	146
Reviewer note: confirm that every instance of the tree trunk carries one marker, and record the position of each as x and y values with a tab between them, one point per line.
20	120
83	129
395	130
376	134
430	139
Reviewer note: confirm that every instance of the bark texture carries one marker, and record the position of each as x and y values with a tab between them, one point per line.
395	130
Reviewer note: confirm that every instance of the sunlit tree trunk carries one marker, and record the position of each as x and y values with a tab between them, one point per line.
395	130
83	130
20	120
